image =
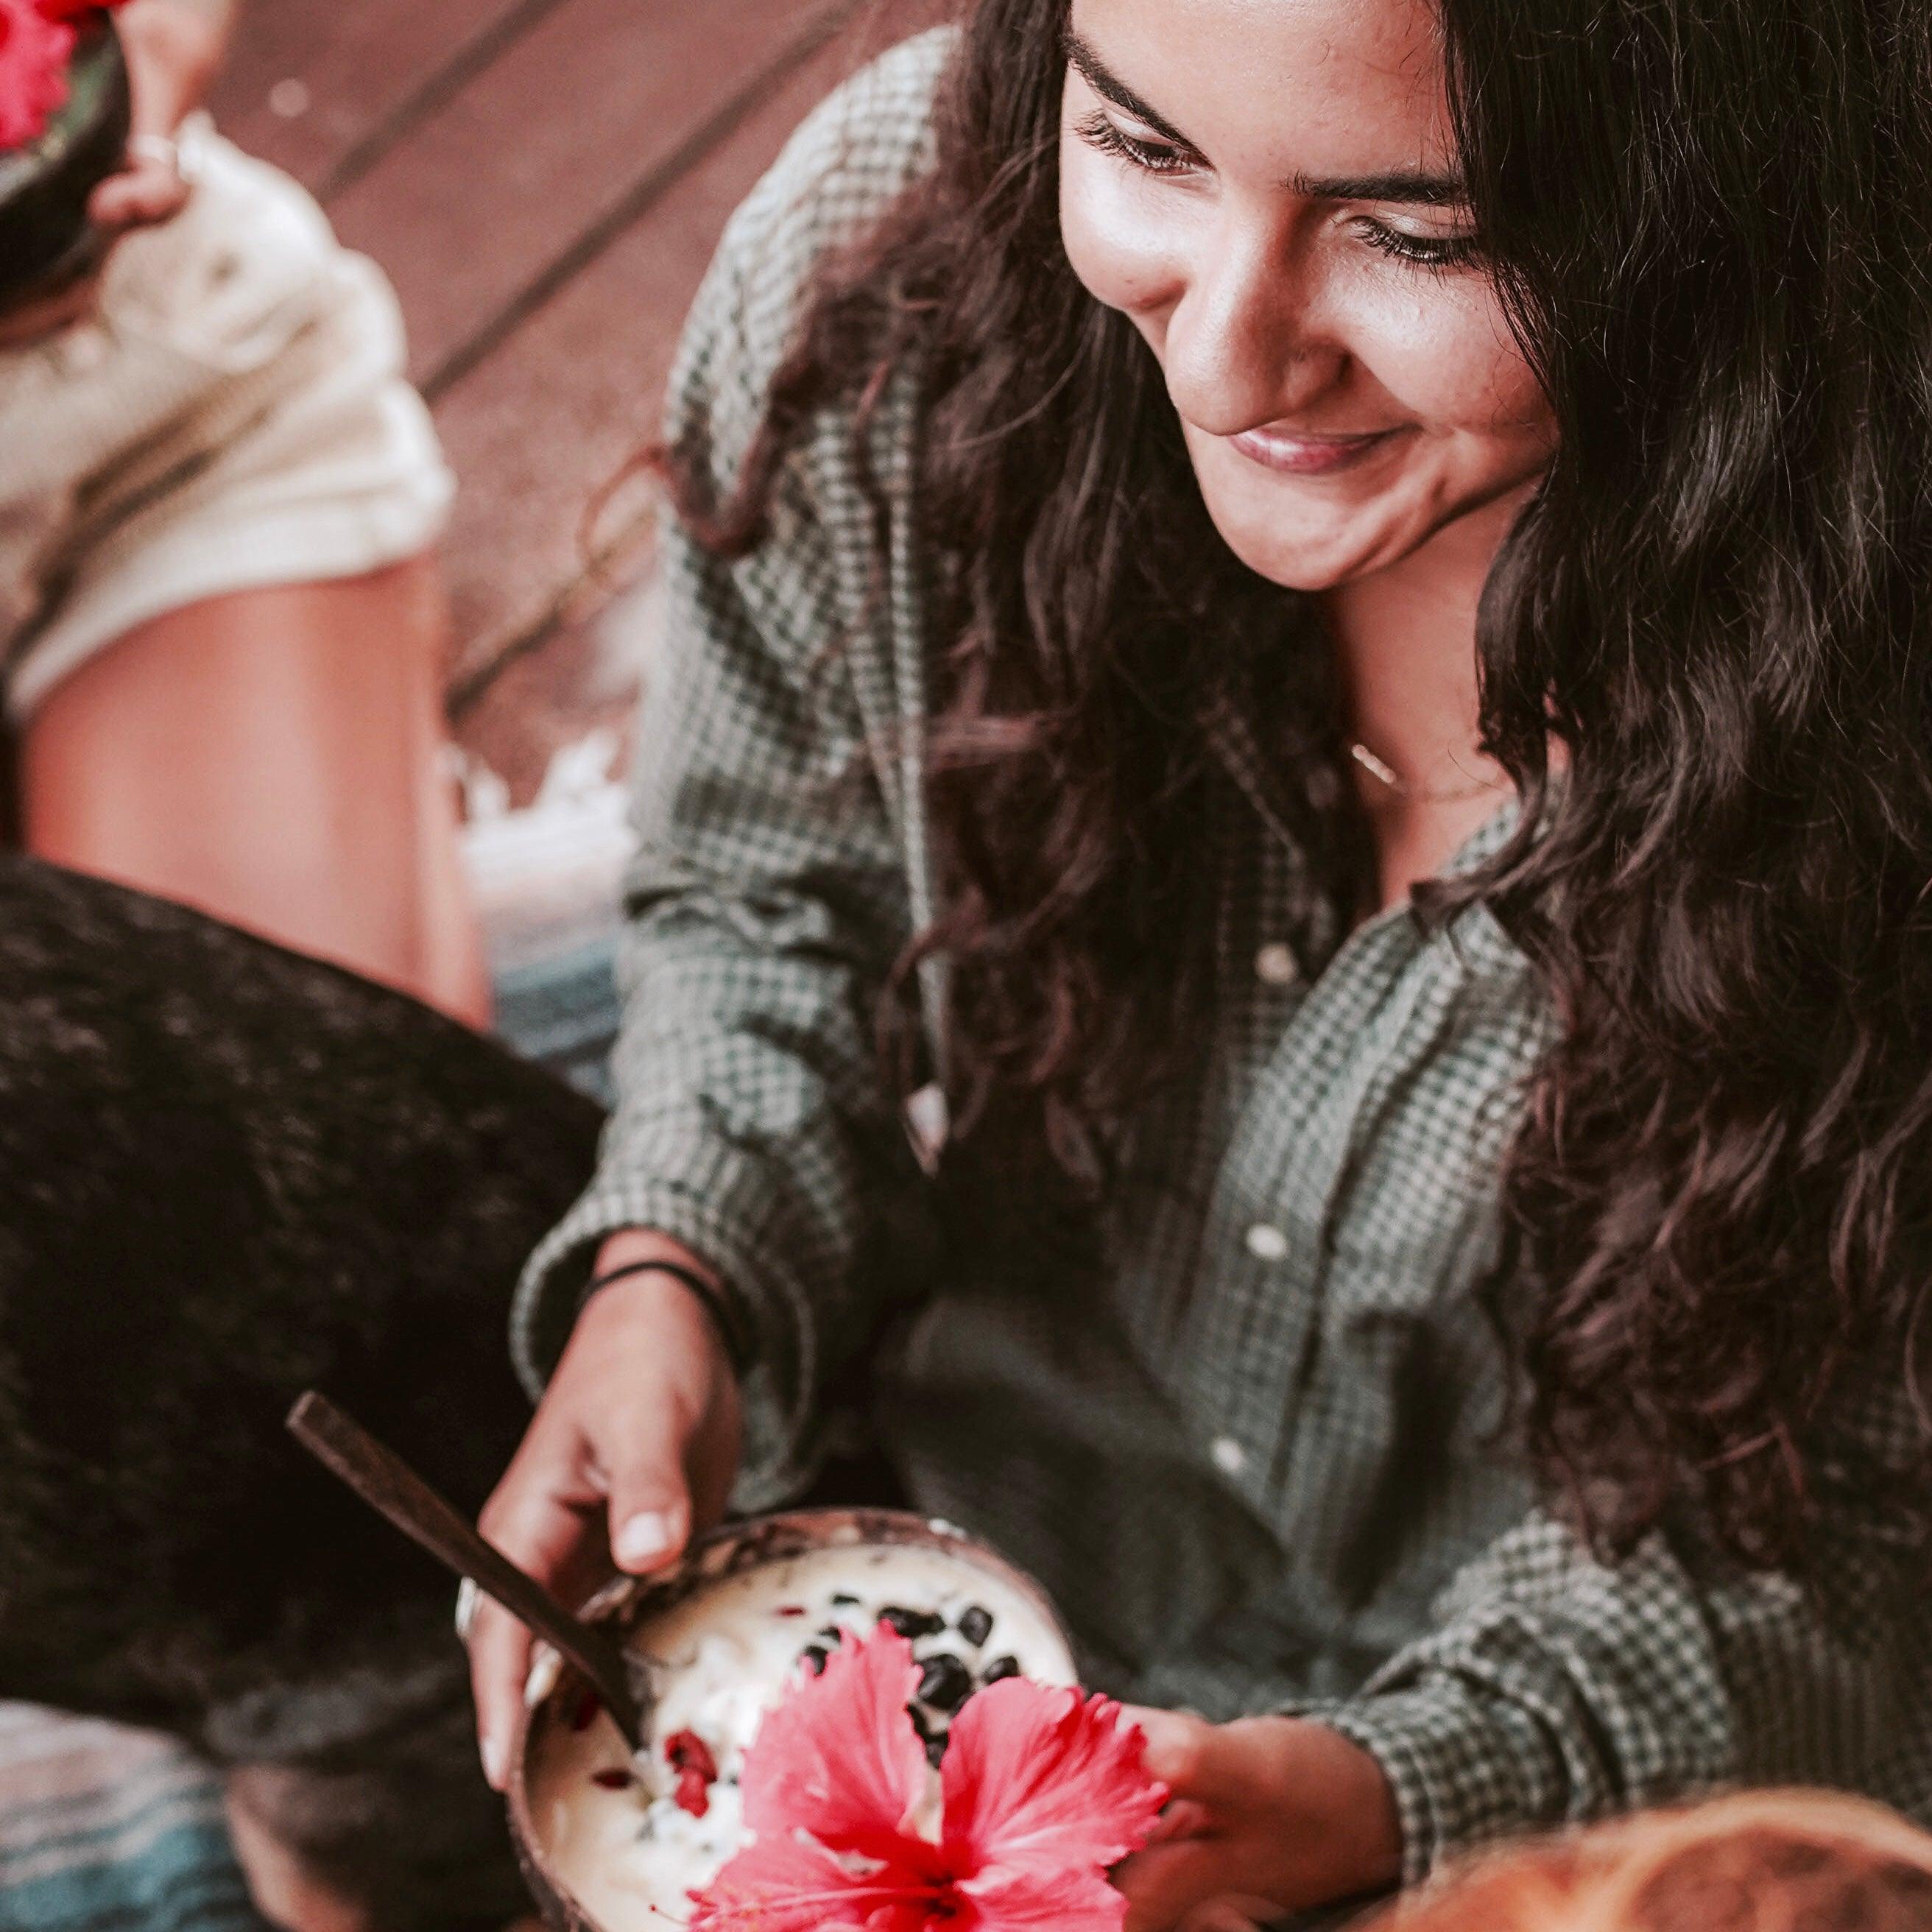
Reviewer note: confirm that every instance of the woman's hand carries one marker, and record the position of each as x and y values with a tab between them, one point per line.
174	49
635	1444
1269	1815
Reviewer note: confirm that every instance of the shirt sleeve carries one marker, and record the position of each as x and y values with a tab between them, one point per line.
768	899
1556	1687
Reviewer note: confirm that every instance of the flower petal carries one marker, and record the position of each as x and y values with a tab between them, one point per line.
34	54
1010	1900
838	1757
1040	1783
786	1882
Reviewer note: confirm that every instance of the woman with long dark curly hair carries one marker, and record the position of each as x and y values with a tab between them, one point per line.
1303	626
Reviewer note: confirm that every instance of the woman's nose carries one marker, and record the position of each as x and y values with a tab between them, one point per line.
1244	344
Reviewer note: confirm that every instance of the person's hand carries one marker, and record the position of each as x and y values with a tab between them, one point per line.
173	49
1269	1815
634	1444
150	188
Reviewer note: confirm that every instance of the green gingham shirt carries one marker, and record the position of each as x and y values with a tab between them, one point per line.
1257	1459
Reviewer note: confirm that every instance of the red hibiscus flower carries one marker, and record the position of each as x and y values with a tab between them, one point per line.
35	50
1040	1792
74	13
37	40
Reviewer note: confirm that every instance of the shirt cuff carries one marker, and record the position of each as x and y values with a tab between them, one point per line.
1466	1770
713	1214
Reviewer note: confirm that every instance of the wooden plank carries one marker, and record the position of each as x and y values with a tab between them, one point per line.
490	190
582	678
535	433
536	429
310	84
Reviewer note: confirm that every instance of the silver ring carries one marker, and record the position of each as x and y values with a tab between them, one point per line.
467	1596
156	148
165	149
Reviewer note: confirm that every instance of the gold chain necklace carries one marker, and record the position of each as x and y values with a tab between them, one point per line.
1386	774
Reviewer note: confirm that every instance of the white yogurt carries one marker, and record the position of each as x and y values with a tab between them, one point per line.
613	1830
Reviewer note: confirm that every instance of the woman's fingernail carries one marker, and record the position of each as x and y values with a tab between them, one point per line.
492	1763
646	1536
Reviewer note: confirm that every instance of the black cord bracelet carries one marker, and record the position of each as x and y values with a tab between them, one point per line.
712	1302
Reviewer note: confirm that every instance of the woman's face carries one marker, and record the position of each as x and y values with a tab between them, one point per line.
1268	191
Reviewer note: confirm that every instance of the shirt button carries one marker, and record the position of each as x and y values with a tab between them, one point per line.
1230	1458
1276	965
1266	1244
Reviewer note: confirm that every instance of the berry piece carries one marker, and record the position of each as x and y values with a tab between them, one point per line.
690	1756
912	1624
1000	1667
930	1735
686	1751
611	1781
975	1624
945	1683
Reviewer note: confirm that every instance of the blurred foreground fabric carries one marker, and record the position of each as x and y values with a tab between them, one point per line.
102	1828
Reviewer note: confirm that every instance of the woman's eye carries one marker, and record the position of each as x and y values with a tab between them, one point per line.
1438	252
1153	157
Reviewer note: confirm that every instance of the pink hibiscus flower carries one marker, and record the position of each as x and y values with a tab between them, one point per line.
1040	1792
35	50
37	39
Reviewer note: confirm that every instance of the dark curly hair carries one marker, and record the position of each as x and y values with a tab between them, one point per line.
1711	221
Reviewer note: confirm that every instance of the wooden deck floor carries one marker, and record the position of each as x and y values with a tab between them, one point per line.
544	181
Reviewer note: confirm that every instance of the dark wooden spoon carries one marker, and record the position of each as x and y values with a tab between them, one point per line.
388	1484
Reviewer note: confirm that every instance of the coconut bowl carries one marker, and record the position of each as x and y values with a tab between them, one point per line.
629	1604
46	237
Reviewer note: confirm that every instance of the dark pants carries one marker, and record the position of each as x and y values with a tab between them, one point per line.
228	1174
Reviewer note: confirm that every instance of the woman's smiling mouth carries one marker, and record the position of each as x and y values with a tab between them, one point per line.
1306	455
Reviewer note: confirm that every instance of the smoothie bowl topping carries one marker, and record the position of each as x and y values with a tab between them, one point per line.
768	1614
1039	1791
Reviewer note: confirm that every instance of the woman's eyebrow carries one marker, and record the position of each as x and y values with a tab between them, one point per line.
1399	185
1095	72
1413	186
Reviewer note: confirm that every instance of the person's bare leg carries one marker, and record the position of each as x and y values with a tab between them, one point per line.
274	757
286	1891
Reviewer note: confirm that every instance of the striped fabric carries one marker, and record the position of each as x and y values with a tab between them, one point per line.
103	1828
